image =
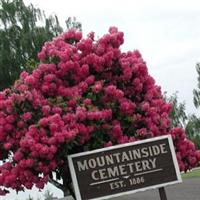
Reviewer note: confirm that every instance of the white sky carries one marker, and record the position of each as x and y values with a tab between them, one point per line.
167	33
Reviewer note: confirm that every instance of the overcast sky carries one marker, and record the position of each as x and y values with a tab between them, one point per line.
167	33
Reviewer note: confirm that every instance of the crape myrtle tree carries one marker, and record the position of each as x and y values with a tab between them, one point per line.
23	31
85	94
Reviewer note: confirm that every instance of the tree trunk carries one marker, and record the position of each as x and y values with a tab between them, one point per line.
67	182
68	190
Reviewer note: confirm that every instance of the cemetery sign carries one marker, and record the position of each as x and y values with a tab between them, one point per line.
124	169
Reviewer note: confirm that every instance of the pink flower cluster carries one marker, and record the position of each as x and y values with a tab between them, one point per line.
84	93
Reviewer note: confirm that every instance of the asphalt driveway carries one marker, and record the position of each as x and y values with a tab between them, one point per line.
189	189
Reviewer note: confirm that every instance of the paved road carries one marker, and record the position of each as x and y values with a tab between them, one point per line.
188	190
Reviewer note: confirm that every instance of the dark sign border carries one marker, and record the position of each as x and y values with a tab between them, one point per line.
75	181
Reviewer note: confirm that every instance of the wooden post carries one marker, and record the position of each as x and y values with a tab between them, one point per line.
162	193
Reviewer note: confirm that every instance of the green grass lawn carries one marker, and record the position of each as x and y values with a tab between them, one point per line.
192	174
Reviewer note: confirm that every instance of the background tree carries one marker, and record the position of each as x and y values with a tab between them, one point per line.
72	22
23	31
196	92
193	126
30	198
48	195
180	118
192	129
178	113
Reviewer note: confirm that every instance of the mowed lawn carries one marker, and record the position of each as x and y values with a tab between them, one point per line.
192	174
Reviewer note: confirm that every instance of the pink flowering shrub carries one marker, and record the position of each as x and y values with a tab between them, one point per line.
85	94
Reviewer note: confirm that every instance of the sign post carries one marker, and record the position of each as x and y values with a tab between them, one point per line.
125	169
162	193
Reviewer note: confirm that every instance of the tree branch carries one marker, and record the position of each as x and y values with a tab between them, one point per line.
61	187
57	184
